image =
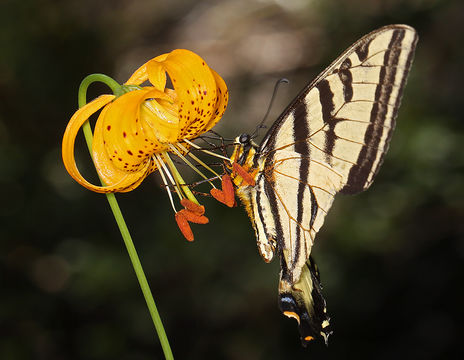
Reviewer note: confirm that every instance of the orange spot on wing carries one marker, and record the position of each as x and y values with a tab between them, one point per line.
246	176
292	315
308	338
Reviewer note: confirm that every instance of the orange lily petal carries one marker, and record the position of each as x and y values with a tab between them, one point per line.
76	122
141	75
196	86
221	103
128	141
107	168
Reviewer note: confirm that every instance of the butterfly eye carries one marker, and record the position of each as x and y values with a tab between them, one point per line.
244	138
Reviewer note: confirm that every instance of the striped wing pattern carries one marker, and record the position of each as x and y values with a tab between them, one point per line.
332	138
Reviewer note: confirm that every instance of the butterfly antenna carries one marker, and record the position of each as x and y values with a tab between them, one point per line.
274	93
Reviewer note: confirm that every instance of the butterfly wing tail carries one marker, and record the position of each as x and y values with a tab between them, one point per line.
303	301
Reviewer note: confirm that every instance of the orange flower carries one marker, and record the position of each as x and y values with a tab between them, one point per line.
135	132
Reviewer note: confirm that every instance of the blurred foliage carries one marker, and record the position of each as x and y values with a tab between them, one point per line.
391	258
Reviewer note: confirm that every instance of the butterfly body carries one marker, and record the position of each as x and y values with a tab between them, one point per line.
331	139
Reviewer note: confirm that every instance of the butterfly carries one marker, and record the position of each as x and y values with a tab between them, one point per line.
331	139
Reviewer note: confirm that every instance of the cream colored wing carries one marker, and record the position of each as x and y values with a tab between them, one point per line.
332	138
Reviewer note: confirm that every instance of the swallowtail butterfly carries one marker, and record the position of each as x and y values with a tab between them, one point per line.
331	139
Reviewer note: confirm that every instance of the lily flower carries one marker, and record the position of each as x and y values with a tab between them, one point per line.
136	132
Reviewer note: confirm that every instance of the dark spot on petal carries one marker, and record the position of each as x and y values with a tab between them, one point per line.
129	152
108	127
124	134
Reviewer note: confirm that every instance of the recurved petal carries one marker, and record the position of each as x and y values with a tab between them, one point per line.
221	102
69	138
114	178
128	141
159	116
195	87
141	74
75	123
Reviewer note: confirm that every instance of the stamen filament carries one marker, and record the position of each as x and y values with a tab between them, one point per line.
193	167
173	182
183	148
165	183
179	178
206	151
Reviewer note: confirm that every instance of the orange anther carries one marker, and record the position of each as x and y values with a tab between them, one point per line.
184	226
193	217
228	188
191	206
226	195
246	176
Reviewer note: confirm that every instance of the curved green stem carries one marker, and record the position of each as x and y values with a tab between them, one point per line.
116	88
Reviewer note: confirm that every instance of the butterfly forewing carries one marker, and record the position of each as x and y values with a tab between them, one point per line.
333	136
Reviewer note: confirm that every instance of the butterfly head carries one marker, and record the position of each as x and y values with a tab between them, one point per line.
244	149
243	140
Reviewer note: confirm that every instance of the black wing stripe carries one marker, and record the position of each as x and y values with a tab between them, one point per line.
301	131
273	202
363	50
359	174
347	79
327	103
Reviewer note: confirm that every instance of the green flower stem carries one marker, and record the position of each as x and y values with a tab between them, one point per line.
116	88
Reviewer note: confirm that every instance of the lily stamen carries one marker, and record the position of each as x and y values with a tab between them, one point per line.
176	186
178	178
183	148
207	151
193	167
166	185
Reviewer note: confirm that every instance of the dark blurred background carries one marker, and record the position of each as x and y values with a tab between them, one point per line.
391	258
